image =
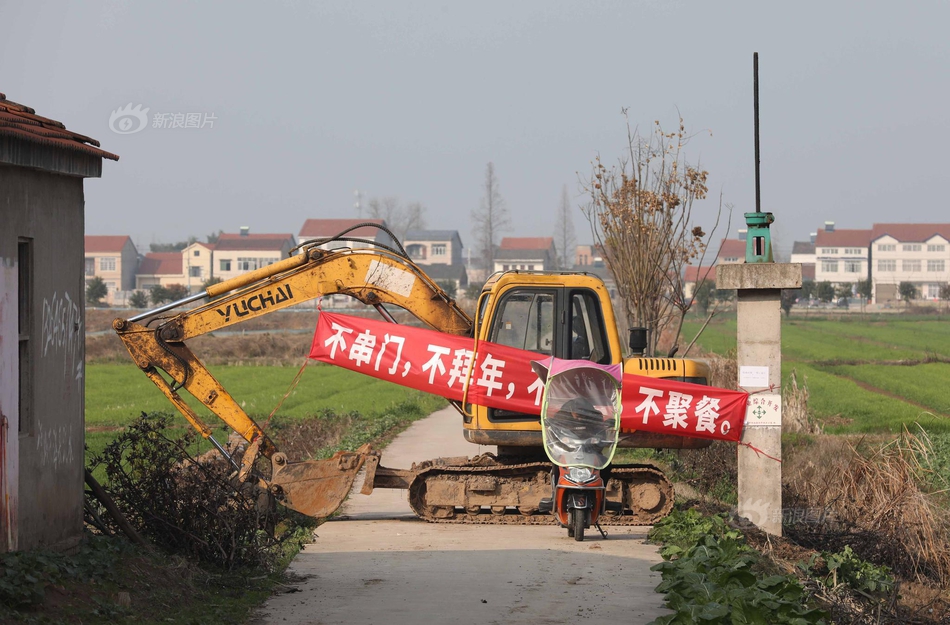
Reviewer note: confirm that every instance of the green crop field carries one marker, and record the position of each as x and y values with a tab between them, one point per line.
118	393
864	374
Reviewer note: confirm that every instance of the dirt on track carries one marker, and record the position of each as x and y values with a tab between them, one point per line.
377	563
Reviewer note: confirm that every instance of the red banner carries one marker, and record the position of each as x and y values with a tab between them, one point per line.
501	377
430	361
669	407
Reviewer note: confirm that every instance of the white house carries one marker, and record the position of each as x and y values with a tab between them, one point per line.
915	253
235	254
841	256
434	247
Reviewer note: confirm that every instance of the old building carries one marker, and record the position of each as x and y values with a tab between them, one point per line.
42	166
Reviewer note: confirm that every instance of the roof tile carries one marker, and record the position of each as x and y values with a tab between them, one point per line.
104	243
22	122
161	264
320	228
915	233
847	238
526	243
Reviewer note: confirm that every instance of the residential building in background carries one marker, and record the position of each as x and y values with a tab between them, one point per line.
914	253
42	317
159	269
526	254
197	264
841	256
326	228
114	259
235	254
434	247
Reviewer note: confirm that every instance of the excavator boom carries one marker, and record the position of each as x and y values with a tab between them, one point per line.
373	276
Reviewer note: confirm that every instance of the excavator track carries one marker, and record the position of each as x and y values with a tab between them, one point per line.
485	490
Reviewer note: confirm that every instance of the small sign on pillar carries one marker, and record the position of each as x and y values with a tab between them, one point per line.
764	410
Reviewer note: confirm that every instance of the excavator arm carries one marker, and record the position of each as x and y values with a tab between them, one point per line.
375	277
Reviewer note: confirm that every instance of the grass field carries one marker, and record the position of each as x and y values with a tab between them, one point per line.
118	393
864	374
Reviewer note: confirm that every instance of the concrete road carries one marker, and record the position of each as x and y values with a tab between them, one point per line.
379	564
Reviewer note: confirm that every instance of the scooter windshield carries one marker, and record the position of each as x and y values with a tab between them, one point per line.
580	413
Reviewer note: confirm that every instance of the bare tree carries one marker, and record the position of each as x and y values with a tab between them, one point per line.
489	220
399	218
640	212
564	239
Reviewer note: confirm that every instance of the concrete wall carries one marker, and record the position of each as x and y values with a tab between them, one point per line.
48	210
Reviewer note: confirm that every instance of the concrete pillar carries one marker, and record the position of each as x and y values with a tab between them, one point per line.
759	356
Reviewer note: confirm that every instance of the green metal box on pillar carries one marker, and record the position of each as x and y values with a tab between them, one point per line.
758	243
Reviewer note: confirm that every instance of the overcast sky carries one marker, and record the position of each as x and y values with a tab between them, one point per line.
311	101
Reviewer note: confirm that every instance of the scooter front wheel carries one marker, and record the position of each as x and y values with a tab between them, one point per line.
578	521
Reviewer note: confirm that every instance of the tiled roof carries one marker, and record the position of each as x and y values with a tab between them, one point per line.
521	254
431	235
526	243
914	233
803	247
732	248
321	228
846	238
161	264
103	243
262	242
22	122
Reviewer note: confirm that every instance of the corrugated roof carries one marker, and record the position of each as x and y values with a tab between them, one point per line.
22	122
250	242
913	233
526	243
161	264
97	243
846	238
321	228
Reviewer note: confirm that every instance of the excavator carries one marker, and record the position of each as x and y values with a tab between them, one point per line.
563	314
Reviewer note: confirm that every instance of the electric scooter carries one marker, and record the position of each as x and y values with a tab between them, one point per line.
580	424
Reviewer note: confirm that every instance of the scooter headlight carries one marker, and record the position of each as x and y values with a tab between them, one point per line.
580	475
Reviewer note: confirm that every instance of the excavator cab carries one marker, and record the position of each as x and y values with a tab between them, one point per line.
568	316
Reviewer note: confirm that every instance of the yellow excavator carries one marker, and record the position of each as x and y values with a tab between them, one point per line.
564	314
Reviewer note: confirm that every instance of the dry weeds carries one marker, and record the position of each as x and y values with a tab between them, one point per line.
872	492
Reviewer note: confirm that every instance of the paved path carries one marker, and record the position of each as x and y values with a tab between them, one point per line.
378	564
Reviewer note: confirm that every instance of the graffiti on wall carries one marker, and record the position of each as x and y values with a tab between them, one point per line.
63	334
55	445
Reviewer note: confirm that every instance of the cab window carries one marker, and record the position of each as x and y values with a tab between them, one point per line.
525	320
588	339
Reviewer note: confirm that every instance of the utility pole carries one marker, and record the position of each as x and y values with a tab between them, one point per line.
358	205
759	282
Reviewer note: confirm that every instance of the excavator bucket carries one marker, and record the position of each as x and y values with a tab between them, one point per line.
318	487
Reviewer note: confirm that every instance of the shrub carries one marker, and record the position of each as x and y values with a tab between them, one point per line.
190	506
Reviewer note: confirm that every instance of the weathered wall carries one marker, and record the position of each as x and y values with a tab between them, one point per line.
48	209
